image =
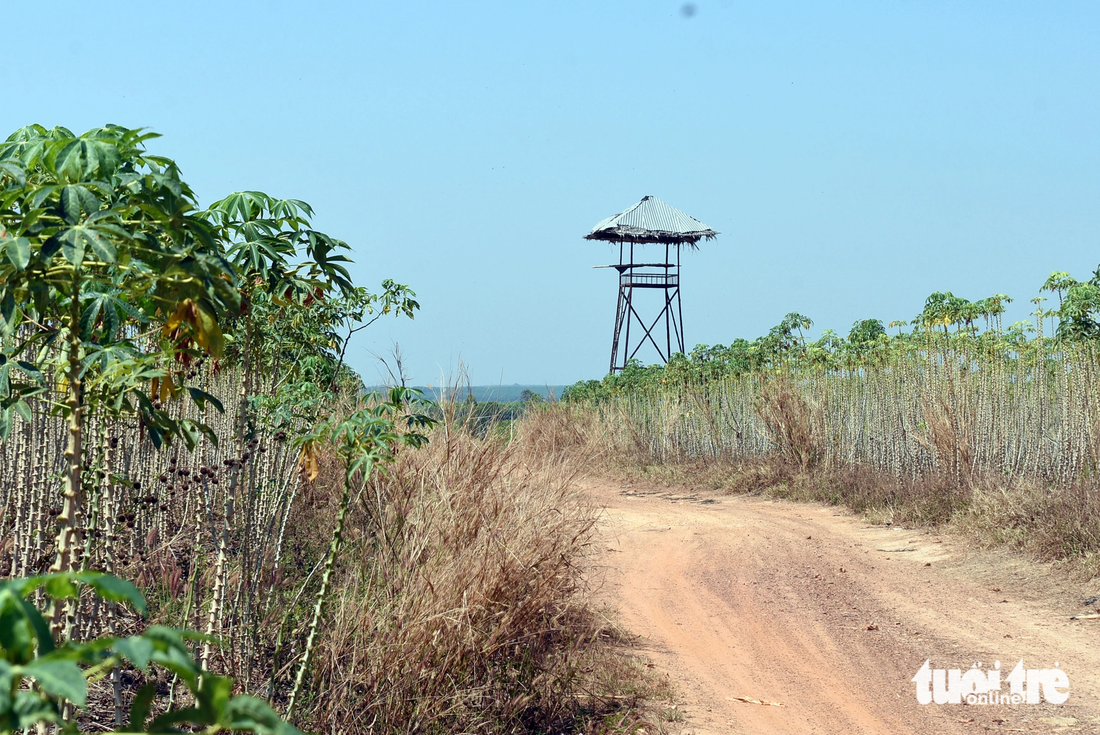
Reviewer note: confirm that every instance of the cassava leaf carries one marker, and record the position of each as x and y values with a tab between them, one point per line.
114	589
247	713
18	250
59	678
139	709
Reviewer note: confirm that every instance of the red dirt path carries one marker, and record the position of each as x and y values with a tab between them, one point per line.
744	597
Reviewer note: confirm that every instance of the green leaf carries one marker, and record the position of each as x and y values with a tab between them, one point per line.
76	239
31	371
165	647
114	589
6	680
170	180
88	201
139	710
19	252
201	398
83	652
364	463
23	410
102	246
72	245
156	436
31	708
212	696
49	248
59	678
16	632
70	204
38	625
175	637
245	712
78	161
42	195
60	586
15	171
163	723
137	649
89	317
7	308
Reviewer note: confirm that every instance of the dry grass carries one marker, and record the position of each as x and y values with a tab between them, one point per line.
1053	524
794	423
462	605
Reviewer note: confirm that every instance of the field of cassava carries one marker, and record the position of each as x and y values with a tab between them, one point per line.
957	421
205	523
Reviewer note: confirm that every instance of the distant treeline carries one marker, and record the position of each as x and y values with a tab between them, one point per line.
498	393
481	417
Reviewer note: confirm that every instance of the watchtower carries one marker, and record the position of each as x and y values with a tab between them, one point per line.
649	222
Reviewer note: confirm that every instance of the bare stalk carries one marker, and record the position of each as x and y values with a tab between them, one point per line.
322	594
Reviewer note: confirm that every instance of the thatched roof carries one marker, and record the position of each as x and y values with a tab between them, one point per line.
651	220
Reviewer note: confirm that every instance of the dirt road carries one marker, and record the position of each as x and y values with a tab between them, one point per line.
812	609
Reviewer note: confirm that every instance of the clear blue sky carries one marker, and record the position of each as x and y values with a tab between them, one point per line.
855	156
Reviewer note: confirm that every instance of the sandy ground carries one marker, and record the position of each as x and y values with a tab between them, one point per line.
773	601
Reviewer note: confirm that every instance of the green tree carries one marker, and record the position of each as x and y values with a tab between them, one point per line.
104	243
365	441
1077	315
866	331
943	309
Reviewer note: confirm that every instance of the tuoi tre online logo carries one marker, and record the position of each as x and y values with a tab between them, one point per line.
977	686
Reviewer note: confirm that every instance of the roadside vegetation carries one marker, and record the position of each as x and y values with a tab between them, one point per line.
950	418
183	448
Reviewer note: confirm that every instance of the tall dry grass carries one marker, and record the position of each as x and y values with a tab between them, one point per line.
462	605
794	423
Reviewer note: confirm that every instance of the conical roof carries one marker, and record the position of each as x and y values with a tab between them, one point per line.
651	220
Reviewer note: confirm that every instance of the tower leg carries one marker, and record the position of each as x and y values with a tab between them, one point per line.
620	312
675	337
672	310
679	304
628	312
668	311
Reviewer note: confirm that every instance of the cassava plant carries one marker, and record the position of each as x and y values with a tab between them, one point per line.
127	311
365	442
101	242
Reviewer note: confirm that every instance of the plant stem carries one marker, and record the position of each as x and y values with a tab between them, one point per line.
74	449
318	608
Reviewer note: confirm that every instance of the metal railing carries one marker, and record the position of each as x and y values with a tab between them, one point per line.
649	280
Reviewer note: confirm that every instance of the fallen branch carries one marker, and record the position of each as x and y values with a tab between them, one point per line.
750	700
